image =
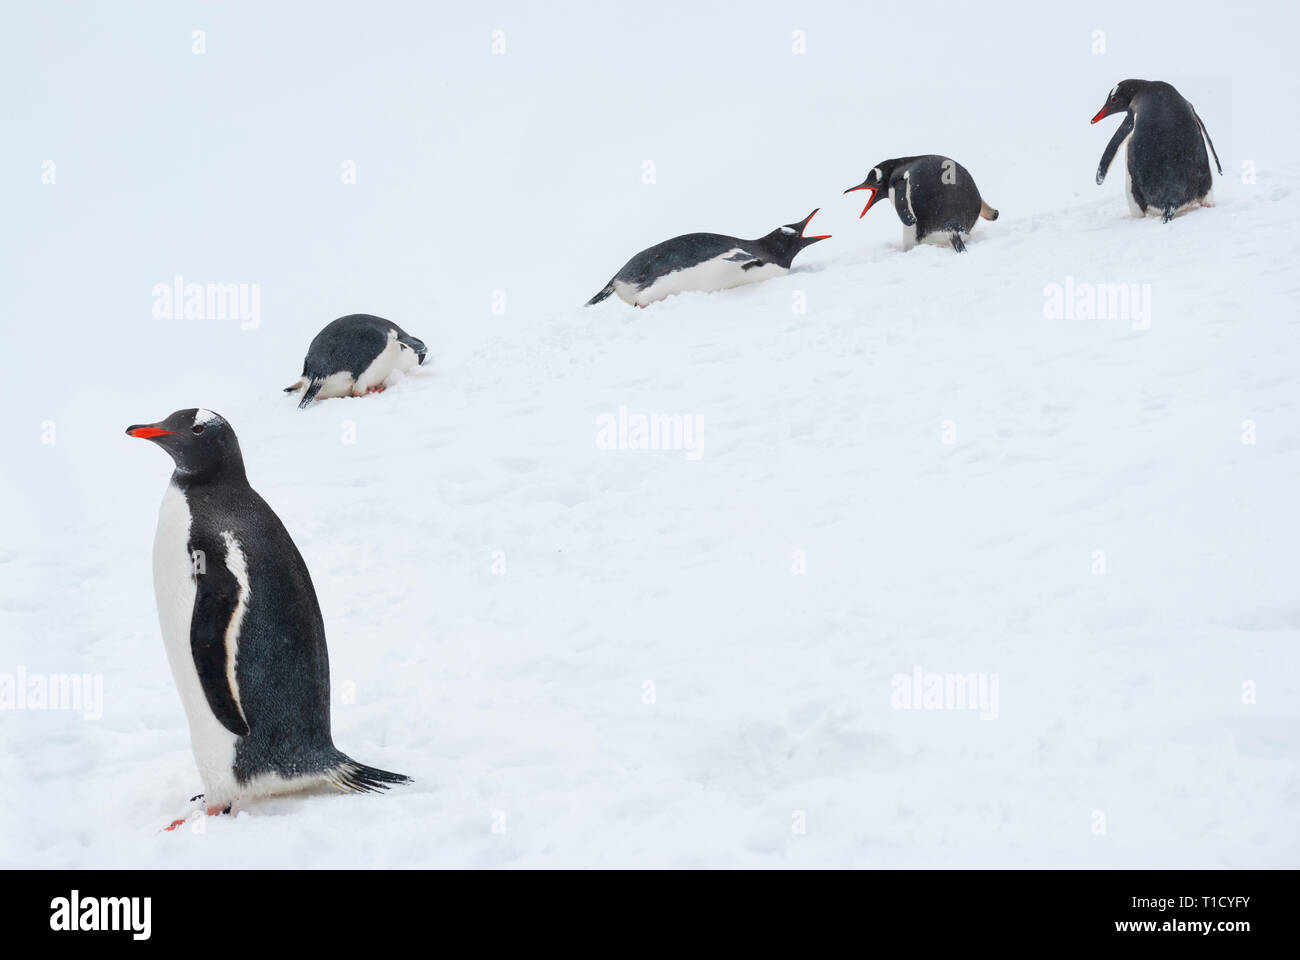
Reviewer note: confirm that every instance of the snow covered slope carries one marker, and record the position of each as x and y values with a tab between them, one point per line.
587	654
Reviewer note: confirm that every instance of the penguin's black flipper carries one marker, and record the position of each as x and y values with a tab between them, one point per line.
216	601
957	244
609	288
1200	123
1122	131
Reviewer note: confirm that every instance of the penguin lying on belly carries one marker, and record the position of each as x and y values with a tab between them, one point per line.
353	356
1168	170
242	627
705	262
935	197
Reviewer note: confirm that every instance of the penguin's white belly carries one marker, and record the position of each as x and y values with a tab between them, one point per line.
716	274
336	385
174	589
391	358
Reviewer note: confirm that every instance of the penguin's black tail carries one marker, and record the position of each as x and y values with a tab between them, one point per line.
352	777
609	288
1167	214
309	394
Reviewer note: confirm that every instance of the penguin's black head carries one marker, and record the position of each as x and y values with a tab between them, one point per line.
784	243
1121	96
877	182
201	443
407	342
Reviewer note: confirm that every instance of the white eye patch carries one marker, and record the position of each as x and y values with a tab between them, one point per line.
875	171
788	230
203	416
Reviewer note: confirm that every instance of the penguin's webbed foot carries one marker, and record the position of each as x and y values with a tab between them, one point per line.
211	812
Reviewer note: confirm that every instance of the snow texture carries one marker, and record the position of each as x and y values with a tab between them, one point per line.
665	657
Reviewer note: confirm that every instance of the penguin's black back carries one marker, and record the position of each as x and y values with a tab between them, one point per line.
942	194
350	343
282	668
679	253
1167	159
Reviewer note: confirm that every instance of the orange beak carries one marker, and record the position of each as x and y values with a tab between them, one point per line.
875	195
147	433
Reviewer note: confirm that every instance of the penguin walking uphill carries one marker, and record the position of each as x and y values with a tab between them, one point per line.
935	197
353	356
705	262
241	626
1168	170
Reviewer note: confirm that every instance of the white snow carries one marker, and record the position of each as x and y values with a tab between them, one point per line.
588	655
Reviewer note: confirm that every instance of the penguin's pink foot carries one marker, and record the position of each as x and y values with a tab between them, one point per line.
212	812
378	388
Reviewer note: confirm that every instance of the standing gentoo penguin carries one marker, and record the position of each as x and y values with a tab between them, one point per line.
706	262
936	198
354	355
1168	168
241	626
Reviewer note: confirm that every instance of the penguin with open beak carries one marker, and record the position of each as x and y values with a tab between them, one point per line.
706	262
934	196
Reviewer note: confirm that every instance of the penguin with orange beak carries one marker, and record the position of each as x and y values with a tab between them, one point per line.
1167	168
934	196
706	262
241	626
